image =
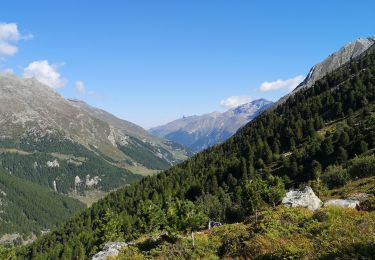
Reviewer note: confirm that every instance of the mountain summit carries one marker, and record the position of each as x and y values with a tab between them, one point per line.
201	132
334	61
74	138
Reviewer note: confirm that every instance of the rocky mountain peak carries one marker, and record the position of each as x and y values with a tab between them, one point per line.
336	60
200	132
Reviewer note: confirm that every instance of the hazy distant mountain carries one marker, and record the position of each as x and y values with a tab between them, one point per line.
200	132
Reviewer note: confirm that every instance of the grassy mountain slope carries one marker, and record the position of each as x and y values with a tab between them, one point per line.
27	207
315	136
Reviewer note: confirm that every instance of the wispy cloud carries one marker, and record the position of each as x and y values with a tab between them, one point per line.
46	73
80	87
9	36
234	101
288	84
81	90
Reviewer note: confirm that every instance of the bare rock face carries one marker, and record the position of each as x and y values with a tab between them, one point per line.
336	60
305	198
111	249
331	63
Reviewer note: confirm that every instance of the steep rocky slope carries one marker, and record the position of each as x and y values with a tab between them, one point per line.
71	147
344	55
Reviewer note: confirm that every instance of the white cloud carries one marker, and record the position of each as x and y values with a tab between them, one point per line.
80	87
234	101
289	84
7	49
9	36
46	73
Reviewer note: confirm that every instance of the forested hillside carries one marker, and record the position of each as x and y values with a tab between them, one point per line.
323	135
27	207
62	165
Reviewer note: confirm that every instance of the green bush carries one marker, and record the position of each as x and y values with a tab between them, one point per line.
335	176
362	167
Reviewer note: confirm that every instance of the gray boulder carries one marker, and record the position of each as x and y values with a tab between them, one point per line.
110	249
305	198
344	203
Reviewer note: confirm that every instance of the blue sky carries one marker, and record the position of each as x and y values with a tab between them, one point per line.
154	61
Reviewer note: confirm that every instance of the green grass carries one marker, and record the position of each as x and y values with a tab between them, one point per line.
281	233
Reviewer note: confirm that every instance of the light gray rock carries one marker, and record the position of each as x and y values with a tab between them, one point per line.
305	198
336	60
110	249
344	203
53	164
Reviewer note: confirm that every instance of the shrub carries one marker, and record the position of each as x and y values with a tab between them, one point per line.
335	176
362	166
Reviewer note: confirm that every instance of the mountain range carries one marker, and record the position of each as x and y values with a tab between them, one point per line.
322	135
201	132
66	147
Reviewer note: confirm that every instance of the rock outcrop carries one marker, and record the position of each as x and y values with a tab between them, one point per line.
110	249
334	61
305	198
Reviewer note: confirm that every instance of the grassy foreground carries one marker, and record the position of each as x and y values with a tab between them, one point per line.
281	233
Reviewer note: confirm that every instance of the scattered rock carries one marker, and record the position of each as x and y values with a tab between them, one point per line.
110	249
54	186
53	164
305	198
212	224
92	181
344	203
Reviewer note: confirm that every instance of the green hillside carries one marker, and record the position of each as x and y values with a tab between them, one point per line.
28	160
324	136
27	207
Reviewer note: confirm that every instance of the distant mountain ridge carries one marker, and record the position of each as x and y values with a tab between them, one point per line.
201	132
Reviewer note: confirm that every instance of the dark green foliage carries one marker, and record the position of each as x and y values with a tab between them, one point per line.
335	176
144	154
362	167
33	167
28	207
308	134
